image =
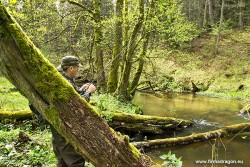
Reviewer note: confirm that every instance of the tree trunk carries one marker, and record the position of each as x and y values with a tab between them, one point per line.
211	12
116	57
224	132
100	76
241	5
139	68
205	14
122	89
218	36
38	80
120	121
147	30
200	10
189	10
126	22
125	34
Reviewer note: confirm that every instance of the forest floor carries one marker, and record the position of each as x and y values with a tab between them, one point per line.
224	75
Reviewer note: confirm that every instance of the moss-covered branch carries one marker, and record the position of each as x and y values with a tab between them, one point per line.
121	121
226	131
15	115
146	123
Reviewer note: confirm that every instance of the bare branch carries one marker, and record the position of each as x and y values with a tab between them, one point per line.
81	6
58	34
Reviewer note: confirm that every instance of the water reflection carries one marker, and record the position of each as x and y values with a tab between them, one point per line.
200	108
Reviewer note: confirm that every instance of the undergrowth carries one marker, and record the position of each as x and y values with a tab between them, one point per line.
23	144
33	148
106	102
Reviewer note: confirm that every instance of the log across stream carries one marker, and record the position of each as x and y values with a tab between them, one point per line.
209	114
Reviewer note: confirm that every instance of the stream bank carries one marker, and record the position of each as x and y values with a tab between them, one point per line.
210	114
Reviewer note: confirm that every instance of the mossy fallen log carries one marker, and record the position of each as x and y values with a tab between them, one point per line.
146	123
121	121
199	137
245	110
15	115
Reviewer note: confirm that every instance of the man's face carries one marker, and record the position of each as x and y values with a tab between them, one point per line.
72	71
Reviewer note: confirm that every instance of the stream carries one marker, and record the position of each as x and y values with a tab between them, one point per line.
209	114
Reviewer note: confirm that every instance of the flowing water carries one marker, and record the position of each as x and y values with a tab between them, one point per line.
209	114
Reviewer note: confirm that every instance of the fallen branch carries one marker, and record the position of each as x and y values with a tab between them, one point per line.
146	123
15	115
223	132
245	110
120	121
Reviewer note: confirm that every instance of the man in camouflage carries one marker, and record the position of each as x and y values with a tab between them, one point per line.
64	151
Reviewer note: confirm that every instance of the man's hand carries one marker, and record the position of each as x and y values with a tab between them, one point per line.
88	87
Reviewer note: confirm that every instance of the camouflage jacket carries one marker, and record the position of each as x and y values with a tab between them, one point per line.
83	93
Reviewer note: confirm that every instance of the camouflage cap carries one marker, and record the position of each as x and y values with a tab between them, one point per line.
68	61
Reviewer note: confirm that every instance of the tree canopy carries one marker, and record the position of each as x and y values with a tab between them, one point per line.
109	37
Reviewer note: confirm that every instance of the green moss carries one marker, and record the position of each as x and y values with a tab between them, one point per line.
136	152
8	114
93	110
52	114
44	72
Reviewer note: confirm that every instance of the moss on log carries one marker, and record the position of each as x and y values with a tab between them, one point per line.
121	121
245	110
15	115
146	123
223	132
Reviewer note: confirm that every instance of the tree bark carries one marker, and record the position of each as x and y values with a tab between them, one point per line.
39	81
100	76
205	14
224	132
125	34
125	22
241	12
147	32
116	57
211	12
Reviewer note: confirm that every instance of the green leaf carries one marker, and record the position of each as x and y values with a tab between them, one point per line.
164	156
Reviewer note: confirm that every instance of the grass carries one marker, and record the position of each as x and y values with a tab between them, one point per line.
224	75
107	102
10	98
